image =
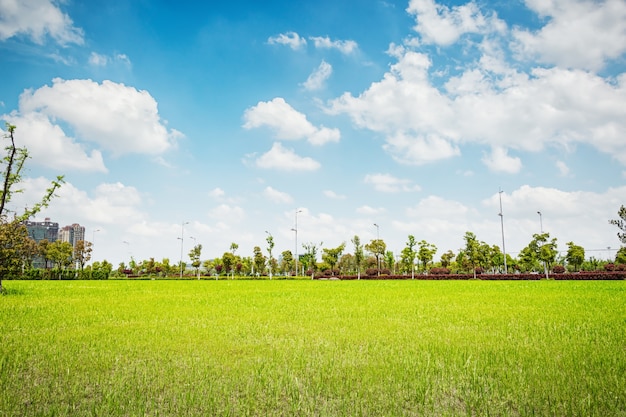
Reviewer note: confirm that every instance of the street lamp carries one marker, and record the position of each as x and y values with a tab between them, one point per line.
540	221
295	229
502	227
182	235
378	244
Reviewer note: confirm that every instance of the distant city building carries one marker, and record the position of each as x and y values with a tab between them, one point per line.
72	234
39	231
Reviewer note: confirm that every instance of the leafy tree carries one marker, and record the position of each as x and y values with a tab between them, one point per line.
228	262
259	261
390	260
233	247
270	246
358	254
331	255
346	264
12	246
376	247
472	254
194	256
621	224
620	256
407	256
309	259
61	254
82	253
446	259
286	261
575	255
426	252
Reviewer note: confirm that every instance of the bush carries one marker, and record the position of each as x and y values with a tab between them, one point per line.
439	271
558	269
371	272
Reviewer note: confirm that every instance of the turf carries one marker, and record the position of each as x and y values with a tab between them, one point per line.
313	348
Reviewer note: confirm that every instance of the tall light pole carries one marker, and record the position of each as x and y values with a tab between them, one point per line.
182	239
93	240
502	227
295	229
378	243
540	221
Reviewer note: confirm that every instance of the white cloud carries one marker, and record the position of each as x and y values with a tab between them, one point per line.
217	193
500	161
370	211
333	195
442	25
232	213
100	60
284	159
49	146
276	196
510	109
36	19
116	117
318	77
389	184
287	123
345	47
563	168
291	39
579	33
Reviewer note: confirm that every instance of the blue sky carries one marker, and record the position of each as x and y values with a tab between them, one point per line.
232	116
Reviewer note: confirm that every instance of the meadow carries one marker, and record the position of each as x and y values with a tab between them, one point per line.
313	348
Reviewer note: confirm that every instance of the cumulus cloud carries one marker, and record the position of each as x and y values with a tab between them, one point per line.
287	123
233	213
109	115
344	46
276	196
333	195
284	159
509	109
318	77
443	25
579	34
370	211
387	183
290	39
37	19
500	161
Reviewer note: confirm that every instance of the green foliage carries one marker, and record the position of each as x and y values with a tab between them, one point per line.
425	253
575	255
358	254
331	255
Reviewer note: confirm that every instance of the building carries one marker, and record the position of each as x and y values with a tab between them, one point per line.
72	234
39	231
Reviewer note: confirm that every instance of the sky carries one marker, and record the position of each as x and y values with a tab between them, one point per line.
224	122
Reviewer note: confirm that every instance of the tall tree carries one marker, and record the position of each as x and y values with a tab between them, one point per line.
358	254
12	231
621	224
194	256
228	260
575	255
270	247
82	253
376	247
310	256
426	252
446	259
408	254
258	261
331	255
472	251
61	254
286	261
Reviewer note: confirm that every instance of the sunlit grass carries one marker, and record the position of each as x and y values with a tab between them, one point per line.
368	348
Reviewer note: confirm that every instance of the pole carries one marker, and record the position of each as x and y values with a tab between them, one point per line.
182	239
378	243
502	228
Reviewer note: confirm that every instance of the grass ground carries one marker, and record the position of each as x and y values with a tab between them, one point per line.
311	348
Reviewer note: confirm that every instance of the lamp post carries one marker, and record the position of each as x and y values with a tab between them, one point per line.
377	243
295	229
540	221
502	228
182	238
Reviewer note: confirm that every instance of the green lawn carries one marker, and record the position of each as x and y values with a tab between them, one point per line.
313	348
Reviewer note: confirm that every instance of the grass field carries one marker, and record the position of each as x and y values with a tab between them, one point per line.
311	348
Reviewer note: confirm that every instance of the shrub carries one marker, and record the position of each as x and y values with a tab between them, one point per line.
558	269
439	271
371	272
385	271
609	267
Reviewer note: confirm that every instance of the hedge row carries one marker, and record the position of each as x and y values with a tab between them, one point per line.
592	275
